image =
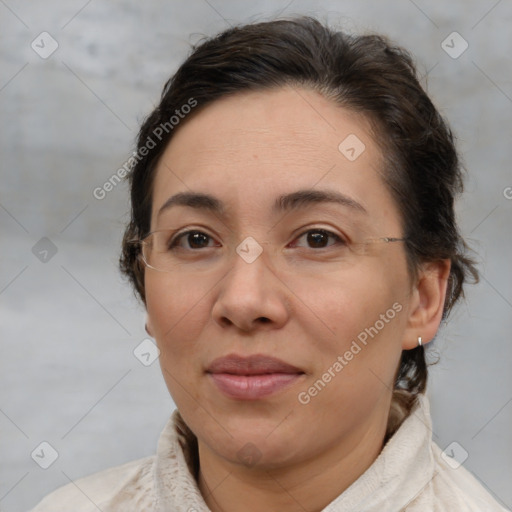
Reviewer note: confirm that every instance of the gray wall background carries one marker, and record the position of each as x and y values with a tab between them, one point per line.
69	324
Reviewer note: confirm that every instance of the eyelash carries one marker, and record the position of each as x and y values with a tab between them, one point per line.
173	242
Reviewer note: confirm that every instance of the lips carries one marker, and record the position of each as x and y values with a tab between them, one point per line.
253	377
251	365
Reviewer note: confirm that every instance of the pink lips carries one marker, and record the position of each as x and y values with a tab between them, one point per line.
253	377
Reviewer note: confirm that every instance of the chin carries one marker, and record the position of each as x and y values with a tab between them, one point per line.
256	452
243	443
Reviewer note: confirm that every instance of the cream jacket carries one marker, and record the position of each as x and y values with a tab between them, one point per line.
410	474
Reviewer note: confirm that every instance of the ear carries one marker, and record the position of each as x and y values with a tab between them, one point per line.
148	326
427	303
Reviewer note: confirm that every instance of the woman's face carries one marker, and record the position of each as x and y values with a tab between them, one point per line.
334	317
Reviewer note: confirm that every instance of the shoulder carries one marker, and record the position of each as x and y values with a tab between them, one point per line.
453	487
103	490
430	479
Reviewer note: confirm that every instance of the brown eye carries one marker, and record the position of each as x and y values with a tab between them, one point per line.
318	239
193	240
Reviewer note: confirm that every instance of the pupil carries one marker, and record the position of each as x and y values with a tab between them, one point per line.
197	239
317	239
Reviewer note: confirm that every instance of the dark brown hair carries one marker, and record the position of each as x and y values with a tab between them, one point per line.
367	74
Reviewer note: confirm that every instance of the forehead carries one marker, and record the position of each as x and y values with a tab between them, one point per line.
249	148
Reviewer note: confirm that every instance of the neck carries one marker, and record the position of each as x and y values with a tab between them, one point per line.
304	485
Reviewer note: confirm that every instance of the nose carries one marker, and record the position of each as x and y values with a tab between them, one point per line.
251	297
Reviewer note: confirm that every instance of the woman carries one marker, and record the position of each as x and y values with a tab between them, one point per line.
294	243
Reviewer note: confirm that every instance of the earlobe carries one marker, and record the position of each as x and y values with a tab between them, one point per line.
147	327
427	304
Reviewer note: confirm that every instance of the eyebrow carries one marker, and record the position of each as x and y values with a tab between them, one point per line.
306	197
286	202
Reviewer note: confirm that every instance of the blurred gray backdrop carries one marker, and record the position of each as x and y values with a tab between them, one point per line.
76	79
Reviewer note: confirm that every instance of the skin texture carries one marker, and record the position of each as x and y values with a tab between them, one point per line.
301	306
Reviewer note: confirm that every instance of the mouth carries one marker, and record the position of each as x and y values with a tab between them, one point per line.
253	377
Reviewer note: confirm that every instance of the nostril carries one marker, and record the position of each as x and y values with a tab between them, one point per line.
264	319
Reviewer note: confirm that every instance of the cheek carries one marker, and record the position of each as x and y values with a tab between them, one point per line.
349	301
176	311
356	359
359	319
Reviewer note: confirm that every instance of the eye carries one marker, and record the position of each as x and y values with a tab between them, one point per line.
193	239
318	239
